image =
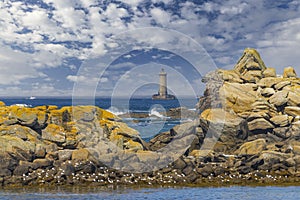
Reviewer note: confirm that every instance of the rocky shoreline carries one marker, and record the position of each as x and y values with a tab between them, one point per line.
247	132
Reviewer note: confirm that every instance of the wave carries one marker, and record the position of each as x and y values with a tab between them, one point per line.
116	111
154	112
22	105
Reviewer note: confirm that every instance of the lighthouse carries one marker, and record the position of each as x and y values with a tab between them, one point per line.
163	84
163	89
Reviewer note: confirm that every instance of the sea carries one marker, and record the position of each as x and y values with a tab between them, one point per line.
159	193
148	128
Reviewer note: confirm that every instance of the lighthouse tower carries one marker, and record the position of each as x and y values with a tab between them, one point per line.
163	91
163	84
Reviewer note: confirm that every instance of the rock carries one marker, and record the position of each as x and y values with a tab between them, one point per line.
224	125
267	92
281	132
294	131
206	171
21	169
271	158
260	124
293	99
230	76
237	97
65	154
264	106
200	153
295	147
252	76
51	148
41	163
68	169
282	84
250	60
252	148
8	143
25	116
5	172
54	133
7	161
290	162
179	164
279	98
2	104
292	111
256	115
269	82
40	151
269	72
280	120
244	169
80	154
147	156
289	72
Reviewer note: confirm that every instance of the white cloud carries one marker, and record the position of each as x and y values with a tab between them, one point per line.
160	16
34	38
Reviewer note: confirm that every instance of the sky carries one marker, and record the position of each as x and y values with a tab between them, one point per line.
104	48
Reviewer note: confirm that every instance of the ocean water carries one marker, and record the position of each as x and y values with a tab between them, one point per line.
148	127
174	193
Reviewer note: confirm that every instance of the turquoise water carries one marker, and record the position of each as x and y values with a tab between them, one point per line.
228	193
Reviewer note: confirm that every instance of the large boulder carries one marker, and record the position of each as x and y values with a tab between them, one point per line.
228	127
238	97
252	148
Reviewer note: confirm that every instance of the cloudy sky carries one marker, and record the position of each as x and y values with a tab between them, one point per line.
56	47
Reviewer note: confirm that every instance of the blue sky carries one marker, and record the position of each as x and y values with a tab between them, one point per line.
47	46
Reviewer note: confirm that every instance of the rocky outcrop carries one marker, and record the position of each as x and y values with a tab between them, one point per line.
44	137
247	131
